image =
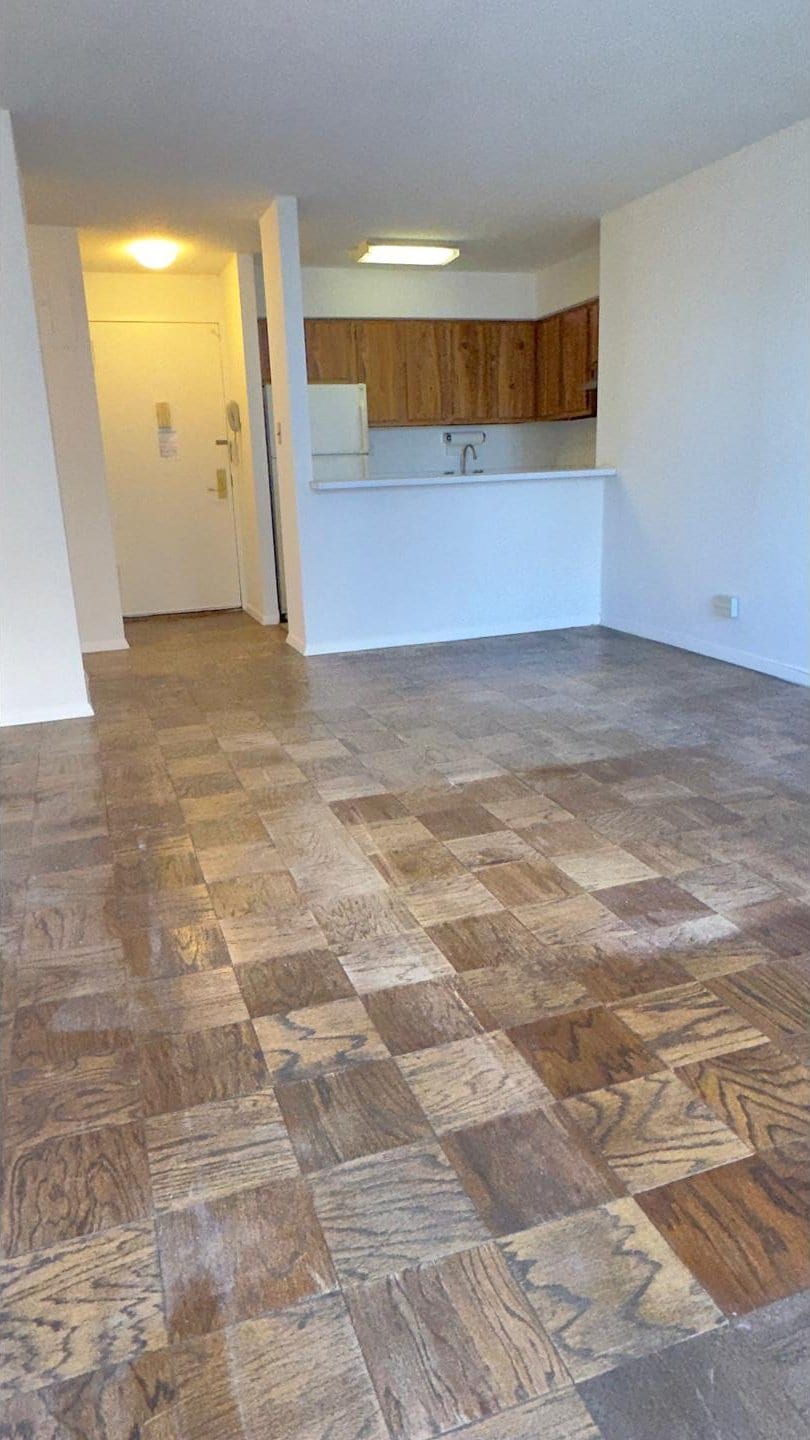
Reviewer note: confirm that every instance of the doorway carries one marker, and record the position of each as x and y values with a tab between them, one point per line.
162	410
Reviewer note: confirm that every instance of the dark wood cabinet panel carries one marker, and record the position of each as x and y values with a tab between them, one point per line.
515	389
567	352
471	371
381	365
576	399
331	352
427	372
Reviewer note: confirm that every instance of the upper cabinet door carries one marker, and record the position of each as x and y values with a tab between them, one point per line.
515	387
427	372
381	359
472	370
576	400
549	368
331	352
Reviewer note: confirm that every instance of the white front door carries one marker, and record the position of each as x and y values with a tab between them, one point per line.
162	412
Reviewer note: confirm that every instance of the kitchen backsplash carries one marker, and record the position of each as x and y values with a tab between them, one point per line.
420	450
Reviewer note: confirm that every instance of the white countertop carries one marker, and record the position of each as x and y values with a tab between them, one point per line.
487	478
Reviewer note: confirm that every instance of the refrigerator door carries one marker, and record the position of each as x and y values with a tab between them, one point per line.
338	419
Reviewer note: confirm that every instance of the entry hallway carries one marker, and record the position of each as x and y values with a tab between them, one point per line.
407	1044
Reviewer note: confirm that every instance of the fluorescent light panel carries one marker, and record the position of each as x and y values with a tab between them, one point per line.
392	253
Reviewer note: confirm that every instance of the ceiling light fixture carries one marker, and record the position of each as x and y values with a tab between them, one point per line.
153	252
393	253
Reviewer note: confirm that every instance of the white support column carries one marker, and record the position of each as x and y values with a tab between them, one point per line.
281	263
41	674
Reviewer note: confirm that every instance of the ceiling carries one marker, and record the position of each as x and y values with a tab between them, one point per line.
506	127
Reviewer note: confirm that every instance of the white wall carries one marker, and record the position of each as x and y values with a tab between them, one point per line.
569	282
227	301
41	675
704	407
420	450
248	450
59	294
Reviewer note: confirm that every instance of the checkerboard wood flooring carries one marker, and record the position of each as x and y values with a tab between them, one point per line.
407	1044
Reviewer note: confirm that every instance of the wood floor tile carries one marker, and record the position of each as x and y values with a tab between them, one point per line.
213	1150
253	894
78	924
479	940
399	960
747	1382
187	949
187	1002
743	1230
607	1288
384	1212
688	1023
240	1255
653	1130
169	866
349	1113
435	901
763	1094
517	993
454	822
57	1031
71	1307
524	1168
285	930
602	868
582	1050
774	997
72	1185
313	1041
559	1416
727	887
621	975
133	1399
781	926
82	1094
470	1081
68	977
495	848
417	863
522	884
293	982
178	1071
467	1344
301	1374
647	903
581	919
354	921
414	1017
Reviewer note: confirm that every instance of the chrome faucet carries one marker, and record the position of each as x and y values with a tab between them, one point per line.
467	447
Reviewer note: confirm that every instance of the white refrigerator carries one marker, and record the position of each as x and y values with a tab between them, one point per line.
338	418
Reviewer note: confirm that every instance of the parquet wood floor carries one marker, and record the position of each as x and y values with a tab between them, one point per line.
405	1045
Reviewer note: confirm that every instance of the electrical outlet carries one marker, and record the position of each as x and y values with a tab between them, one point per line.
726	606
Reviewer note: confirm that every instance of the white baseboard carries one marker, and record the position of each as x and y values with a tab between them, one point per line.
795	674
93	647
257	615
45	713
350	645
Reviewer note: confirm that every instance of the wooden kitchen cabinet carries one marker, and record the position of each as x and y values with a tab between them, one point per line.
576	400
382	366
514	369
567	348
549	368
471	374
331	352
427	372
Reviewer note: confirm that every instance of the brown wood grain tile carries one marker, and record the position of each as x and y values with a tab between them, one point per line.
384	1212
648	903
688	1023
293	982
414	1017
453	822
522	884
417	863
135	1398
621	975
170	865
71	1307
240	1255
57	1031
353	921
468	1345
602	868
178	1071
478	940
341	1116
83	923
763	1094
68	977
743	1229
653	1130
524	1168
469	1081
607	1288
582	1050
213	1150
253	895
434	901
72	1185
187	949
286	930
774	997
187	1002
313	1041
579	920
780	925
495	848
516	993
82	1094
399	960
